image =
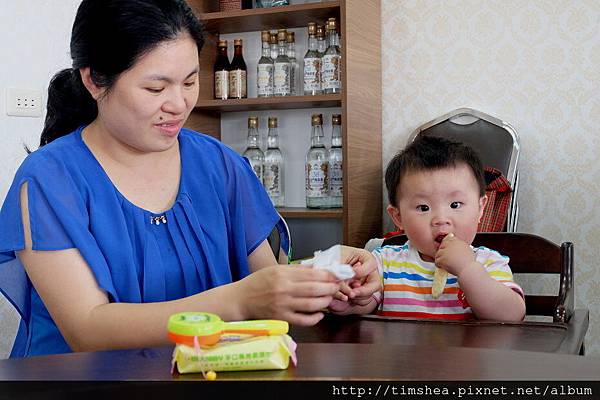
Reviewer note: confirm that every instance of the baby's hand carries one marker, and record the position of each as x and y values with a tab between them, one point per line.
454	255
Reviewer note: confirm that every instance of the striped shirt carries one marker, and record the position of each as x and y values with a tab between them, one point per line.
407	281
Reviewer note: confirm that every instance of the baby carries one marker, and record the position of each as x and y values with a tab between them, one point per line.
436	193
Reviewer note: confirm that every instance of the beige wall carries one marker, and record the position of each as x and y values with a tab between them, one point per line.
534	64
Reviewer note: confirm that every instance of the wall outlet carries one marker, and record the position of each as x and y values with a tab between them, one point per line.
23	103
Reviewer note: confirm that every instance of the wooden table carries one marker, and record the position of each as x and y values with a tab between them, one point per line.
529	336
357	348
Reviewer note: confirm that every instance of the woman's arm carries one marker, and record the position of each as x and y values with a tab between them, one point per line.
88	322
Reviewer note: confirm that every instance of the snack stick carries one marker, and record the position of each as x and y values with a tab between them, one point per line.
439	282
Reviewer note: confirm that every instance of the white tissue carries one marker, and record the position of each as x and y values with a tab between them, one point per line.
330	260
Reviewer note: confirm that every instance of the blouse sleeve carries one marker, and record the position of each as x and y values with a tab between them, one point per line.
58	216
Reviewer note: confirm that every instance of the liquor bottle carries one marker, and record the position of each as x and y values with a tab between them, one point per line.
281	74
273	169
221	70
294	66
312	64
331	77
317	166
253	152
321	43
264	69
238	88
336	184
273	45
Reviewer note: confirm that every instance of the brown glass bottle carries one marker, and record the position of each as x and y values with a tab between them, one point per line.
221	71
238	87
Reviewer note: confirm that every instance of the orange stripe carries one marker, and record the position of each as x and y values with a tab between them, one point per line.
424	315
413	289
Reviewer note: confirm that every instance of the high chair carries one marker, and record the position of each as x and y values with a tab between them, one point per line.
532	254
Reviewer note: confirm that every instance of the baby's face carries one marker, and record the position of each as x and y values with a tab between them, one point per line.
437	202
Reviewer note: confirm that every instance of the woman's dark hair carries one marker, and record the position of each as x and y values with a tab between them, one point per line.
109	36
428	153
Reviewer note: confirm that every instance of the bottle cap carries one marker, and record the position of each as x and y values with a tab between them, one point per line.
281	35
316	119
336	119
320	31
265	36
253	122
222	43
272	122
237	42
290	37
331	24
273	38
312	28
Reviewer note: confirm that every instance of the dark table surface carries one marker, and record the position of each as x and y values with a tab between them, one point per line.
529	336
351	348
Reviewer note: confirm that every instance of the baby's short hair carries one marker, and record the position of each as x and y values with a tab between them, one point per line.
428	153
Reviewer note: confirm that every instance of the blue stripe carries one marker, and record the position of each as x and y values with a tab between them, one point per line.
412	277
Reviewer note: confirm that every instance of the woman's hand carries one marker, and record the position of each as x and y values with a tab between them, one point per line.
293	293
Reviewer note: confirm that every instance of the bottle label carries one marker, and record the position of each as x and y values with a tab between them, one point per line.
237	84
272	179
257	168
293	78
336	181
264	80
221	85
312	74
317	173
331	75
281	79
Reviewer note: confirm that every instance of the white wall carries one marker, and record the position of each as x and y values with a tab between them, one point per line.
34	38
532	63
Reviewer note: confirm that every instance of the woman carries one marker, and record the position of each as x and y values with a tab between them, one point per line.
123	217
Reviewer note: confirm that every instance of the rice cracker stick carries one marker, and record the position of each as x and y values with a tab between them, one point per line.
439	276
439	282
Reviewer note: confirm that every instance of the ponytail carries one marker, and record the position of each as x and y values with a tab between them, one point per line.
70	105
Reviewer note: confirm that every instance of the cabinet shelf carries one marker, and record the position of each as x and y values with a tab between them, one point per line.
259	19
301	212
271	103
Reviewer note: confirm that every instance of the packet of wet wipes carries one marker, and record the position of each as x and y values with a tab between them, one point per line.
330	260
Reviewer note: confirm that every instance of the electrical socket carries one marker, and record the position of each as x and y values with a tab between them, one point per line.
23	103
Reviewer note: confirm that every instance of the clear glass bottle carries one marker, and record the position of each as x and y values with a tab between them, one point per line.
238	85
312	64
221	71
336	181
273	45
264	68
281	74
321	42
294	66
331	76
317	167
253	152
274	166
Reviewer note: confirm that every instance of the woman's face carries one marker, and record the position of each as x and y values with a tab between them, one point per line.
149	103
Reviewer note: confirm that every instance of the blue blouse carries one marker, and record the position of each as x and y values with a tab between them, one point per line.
221	214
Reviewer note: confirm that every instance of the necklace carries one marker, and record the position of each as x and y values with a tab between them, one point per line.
158	220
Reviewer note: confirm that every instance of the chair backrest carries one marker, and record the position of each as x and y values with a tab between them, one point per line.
496	142
531	254
280	241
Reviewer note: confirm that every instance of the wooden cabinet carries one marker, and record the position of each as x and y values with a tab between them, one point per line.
359	101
